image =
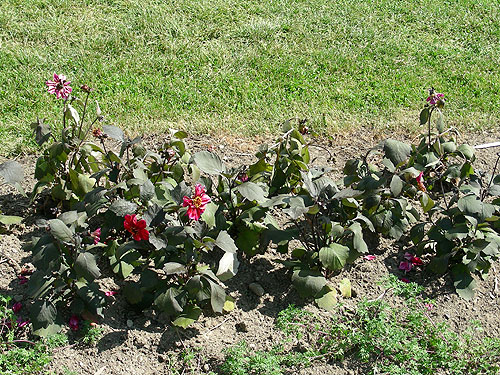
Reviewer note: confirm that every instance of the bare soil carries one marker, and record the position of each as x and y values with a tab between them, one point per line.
142	344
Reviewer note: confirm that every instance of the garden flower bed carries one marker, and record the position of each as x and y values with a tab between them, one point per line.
175	248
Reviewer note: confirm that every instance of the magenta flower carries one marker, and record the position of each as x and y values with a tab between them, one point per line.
405	266
434	98
415	261
27	270
110	293
243	177
420	182
404	279
96	235
17	307
22	279
74	323
197	203
59	86
369	257
21	323
429	306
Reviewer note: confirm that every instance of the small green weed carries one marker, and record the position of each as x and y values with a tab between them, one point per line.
189	361
395	340
241	360
91	334
18	355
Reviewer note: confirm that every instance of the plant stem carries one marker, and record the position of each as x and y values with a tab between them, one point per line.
83	115
483	195
429	128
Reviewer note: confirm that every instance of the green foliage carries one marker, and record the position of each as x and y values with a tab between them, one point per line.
91	334
393	340
19	356
241	360
189	362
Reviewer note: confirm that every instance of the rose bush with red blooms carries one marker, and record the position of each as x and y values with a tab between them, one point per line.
136	227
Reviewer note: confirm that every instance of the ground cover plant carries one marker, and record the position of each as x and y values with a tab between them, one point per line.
395	340
242	65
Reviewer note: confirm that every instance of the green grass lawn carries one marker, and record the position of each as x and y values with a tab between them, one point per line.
245	65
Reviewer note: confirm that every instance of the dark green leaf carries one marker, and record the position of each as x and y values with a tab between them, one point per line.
439	265
424	116
397	152
334	256
209	163
217	297
463	281
252	192
60	231
39	285
42	131
308	283
86	267
417	233
43	315
168	302
225	242
114	132
132	293
248	241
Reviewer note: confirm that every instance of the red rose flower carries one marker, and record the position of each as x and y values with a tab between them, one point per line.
136	227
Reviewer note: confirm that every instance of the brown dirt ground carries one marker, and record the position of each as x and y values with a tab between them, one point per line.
142	344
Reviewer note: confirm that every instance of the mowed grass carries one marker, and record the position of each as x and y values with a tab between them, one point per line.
245	65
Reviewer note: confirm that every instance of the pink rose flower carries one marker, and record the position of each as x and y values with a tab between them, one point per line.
197	203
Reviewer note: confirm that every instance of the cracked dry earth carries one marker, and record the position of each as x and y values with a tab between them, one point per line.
143	344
